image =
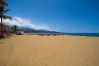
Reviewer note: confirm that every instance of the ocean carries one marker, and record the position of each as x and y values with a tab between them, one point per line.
83	34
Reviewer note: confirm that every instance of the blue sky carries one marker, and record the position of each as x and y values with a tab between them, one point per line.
63	15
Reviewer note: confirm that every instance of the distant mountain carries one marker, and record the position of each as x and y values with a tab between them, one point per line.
30	30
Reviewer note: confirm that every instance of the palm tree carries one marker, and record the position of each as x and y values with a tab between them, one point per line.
3	11
14	28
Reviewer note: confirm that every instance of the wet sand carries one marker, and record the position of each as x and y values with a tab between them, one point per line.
32	50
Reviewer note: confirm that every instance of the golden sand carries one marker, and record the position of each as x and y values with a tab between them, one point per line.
32	50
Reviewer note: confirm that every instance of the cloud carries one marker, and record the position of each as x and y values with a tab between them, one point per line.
23	22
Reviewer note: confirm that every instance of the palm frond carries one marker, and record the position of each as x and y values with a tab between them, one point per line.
3	3
5	11
7	17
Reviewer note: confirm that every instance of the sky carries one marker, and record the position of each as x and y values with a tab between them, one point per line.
71	16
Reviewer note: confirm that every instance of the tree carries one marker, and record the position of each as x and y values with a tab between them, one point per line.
3	11
14	28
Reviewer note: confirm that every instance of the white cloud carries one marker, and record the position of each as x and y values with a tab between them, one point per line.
22	22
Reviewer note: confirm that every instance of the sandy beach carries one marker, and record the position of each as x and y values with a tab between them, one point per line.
32	50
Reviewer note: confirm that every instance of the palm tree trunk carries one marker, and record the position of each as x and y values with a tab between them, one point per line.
1	28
